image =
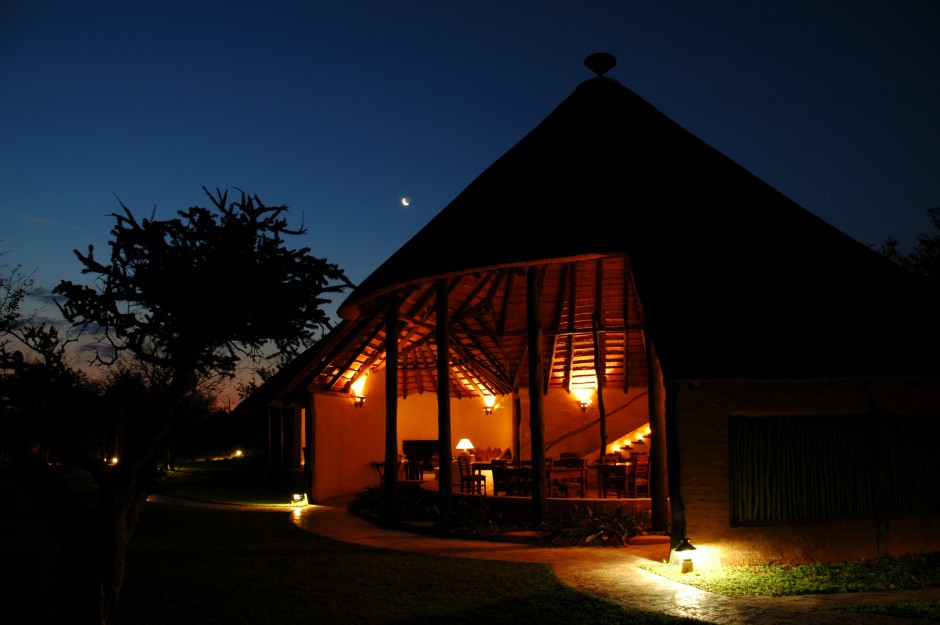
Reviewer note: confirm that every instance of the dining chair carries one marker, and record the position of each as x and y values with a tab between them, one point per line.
570	484
503	481
613	478
640	481
470	482
379	468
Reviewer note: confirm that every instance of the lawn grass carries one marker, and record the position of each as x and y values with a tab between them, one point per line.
897	573
906	572
191	565
210	481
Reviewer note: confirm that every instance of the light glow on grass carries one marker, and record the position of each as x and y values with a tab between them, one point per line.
902	572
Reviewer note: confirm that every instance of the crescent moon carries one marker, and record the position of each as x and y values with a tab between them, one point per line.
405	201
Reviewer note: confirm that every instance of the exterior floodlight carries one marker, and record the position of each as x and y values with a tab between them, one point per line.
686	549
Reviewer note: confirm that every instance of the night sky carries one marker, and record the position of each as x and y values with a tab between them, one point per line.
341	109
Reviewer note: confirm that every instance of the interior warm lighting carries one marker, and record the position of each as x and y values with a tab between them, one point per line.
113	460
685	550
584	396
465	445
488	402
239	453
358	388
297	498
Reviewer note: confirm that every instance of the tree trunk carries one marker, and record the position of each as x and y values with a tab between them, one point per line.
92	542
92	532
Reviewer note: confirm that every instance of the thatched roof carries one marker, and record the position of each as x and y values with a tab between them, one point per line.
646	233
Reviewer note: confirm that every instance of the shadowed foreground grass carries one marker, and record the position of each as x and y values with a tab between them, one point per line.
192	565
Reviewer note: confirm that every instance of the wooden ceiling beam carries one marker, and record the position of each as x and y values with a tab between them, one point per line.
347	365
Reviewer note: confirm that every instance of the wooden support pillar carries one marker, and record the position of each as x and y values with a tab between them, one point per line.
444	441
310	447
672	468
536	405
600	375
391	398
664	444
879	477
270	464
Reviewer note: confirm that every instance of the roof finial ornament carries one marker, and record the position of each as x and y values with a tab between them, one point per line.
600	62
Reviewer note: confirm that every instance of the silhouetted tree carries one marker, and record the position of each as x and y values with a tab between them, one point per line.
35	378
924	259
15	286
187	298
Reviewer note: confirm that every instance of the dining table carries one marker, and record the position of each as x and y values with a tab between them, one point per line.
379	468
520	477
479	466
562	471
606	470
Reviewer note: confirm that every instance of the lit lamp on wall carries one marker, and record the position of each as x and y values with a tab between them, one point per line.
488	402
583	395
357	389
685	550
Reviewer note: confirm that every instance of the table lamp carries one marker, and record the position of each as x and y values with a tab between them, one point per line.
465	446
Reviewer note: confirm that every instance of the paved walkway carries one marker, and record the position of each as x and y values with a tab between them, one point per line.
614	573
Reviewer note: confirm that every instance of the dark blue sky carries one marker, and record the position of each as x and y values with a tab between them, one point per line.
339	109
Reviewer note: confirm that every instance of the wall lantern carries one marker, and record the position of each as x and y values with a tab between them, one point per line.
488	402
358	388
583	396
685	550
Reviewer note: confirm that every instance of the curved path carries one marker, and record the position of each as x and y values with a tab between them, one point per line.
614	573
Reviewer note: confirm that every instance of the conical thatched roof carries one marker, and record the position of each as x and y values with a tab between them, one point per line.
644	230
